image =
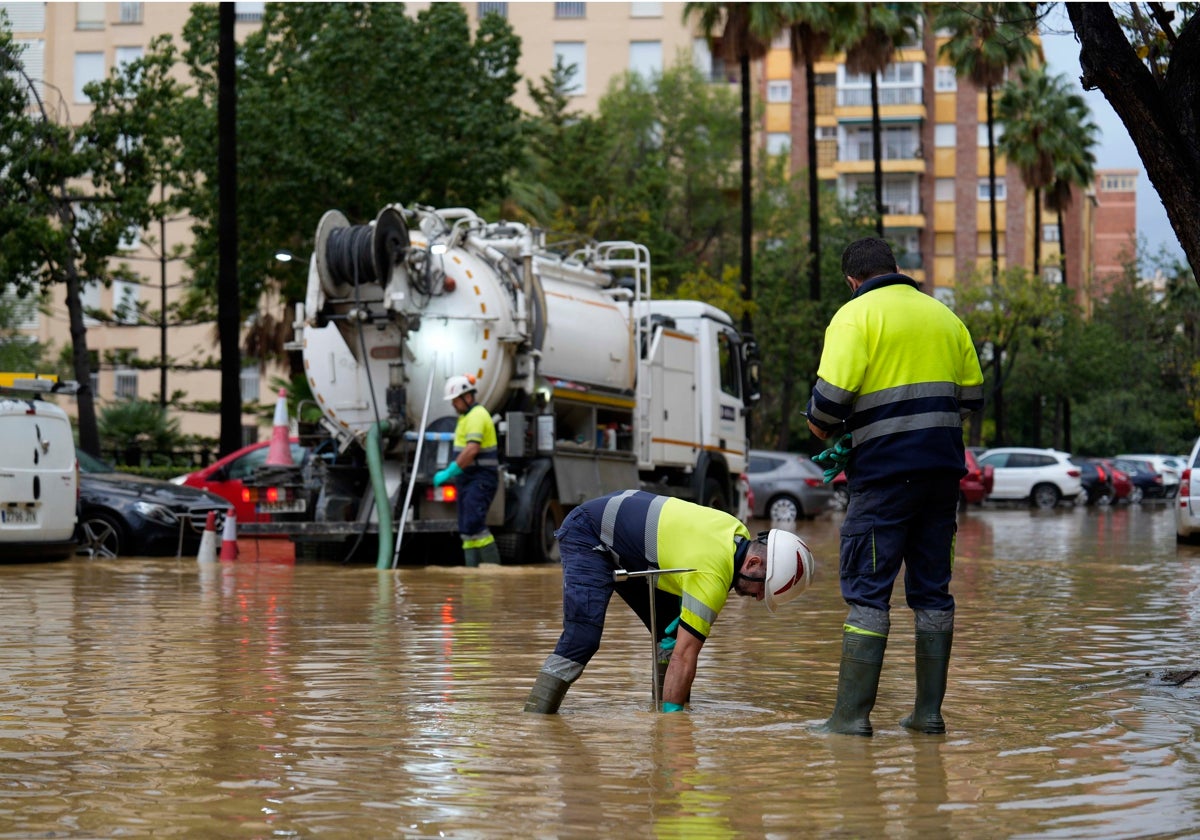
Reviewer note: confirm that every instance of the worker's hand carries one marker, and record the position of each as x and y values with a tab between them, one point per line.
451	472
667	644
833	460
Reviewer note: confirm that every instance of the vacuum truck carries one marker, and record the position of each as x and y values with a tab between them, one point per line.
594	385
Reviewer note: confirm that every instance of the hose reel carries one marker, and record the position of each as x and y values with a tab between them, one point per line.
349	254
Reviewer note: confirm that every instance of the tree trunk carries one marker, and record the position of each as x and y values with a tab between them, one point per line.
228	298
814	186
1160	121
877	144
85	400
1037	231
997	386
747	206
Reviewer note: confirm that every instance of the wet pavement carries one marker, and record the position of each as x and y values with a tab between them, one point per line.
157	697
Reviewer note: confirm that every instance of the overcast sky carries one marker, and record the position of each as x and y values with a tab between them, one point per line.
1116	149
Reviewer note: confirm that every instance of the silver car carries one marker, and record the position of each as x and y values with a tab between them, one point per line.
786	486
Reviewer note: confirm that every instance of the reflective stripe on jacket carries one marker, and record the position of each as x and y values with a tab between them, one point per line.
645	531
900	370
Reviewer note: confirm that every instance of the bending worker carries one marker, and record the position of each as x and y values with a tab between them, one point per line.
474	468
635	531
898	375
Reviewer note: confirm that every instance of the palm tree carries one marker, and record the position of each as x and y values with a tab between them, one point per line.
870	45
812	27
1075	165
986	39
746	31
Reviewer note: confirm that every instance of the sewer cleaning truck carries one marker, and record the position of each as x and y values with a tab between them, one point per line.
594	385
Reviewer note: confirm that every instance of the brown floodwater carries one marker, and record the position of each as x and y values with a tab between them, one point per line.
156	697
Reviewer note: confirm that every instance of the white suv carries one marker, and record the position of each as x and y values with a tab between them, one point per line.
1187	506
1166	465
39	477
1044	476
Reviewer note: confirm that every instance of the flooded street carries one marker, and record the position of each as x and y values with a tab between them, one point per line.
255	700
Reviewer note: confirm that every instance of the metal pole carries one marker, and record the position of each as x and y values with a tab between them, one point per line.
651	576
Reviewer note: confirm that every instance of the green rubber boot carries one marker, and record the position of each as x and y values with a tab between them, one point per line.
489	553
933	663
858	682
547	694
471	556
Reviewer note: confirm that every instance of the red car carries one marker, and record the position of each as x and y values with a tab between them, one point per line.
224	477
973	487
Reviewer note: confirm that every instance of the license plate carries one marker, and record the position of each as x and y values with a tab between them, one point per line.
294	506
18	516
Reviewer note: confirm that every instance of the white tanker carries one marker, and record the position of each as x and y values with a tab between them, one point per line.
595	387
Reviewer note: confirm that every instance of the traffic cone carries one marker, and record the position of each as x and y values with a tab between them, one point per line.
280	453
229	546
208	542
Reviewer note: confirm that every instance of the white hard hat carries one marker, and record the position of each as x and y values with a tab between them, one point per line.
790	568
456	386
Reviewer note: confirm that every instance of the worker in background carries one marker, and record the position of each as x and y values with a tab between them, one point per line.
635	531
897	376
474	468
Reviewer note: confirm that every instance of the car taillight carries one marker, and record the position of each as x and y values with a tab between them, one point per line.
813	482
1185	483
1073	473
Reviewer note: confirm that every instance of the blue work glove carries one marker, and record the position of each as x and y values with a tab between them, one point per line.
451	472
672	707
834	459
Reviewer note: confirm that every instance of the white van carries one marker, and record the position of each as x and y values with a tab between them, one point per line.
39	476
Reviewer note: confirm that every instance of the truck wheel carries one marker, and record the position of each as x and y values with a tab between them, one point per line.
715	495
539	545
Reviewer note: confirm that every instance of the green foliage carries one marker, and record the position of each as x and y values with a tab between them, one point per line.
350	106
137	425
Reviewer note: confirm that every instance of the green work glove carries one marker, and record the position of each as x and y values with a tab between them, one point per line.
672	707
834	459
451	472
668	642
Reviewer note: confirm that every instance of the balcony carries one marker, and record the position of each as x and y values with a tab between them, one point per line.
861	97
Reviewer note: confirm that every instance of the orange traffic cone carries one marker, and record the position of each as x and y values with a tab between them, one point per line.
280	453
229	546
208	542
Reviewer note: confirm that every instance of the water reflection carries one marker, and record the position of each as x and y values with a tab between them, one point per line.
257	699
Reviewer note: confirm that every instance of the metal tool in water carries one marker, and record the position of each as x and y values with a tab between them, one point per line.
651	576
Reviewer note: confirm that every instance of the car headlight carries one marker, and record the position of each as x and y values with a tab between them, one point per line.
156	513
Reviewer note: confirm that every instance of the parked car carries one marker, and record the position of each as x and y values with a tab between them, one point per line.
1147	481
1122	484
973	487
122	514
977	484
786	486
1096	481
1043	476
1168	466
38	476
226	478
1187	505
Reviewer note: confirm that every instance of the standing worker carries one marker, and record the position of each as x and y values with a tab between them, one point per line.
636	531
898	375
475	470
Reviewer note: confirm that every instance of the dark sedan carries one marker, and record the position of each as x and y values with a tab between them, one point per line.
129	515
1147	481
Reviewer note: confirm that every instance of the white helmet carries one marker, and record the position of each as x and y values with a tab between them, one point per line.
456	386
790	568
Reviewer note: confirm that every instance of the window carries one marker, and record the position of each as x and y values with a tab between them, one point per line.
985	192
710	68
727	358
33	58
125	301
944	79
21	313
945	135
130	240
646	59
1052	274
779	91
573	54
485	9
943	189
89	15
89	67
1050	233
1118	183
128	55
779	142
89	299
997	133
125	383
899	84
248	383
248	12
570	10
645	10
131	13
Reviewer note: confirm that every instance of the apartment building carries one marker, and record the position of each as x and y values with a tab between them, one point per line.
1116	224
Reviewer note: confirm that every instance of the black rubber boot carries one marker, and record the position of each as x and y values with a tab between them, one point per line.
933	663
547	694
858	682
489	553
471	556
